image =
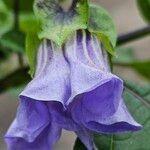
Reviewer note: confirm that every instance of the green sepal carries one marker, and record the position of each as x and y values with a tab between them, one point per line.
101	24
32	44
59	30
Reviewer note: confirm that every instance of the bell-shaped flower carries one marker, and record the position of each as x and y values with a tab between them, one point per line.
72	89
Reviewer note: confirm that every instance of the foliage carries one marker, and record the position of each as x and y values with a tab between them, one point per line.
6	20
10	41
144	7
101	24
25	5
126	58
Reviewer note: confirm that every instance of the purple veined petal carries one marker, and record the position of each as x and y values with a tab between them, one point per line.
120	121
63	71
51	82
40	55
45	141
32	128
62	116
101	101
95	52
85	77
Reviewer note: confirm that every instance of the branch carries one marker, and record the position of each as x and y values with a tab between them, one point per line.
120	64
128	37
15	79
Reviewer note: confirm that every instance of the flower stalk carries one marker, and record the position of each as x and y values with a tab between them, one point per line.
16	13
134	35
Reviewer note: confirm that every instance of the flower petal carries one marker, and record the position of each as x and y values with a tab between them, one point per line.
102	88
61	116
51	81
120	121
32	128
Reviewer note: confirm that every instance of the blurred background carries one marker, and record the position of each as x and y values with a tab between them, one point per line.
126	18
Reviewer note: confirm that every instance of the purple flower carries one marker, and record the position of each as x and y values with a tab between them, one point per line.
73	89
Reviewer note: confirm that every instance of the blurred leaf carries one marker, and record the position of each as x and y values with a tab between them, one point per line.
124	55
14	41
144	7
4	53
79	145
142	68
127	58
15	79
6	19
102	25
25	5
59	25
15	91
32	44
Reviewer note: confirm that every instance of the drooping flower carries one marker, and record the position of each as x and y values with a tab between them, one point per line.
73	89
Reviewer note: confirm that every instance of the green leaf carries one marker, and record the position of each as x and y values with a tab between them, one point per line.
144	7
6	19
14	41
15	91
56	24
101	24
25	5
79	145
32	44
142	67
132	140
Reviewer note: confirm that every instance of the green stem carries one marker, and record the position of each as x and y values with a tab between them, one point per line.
16	13
16	26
